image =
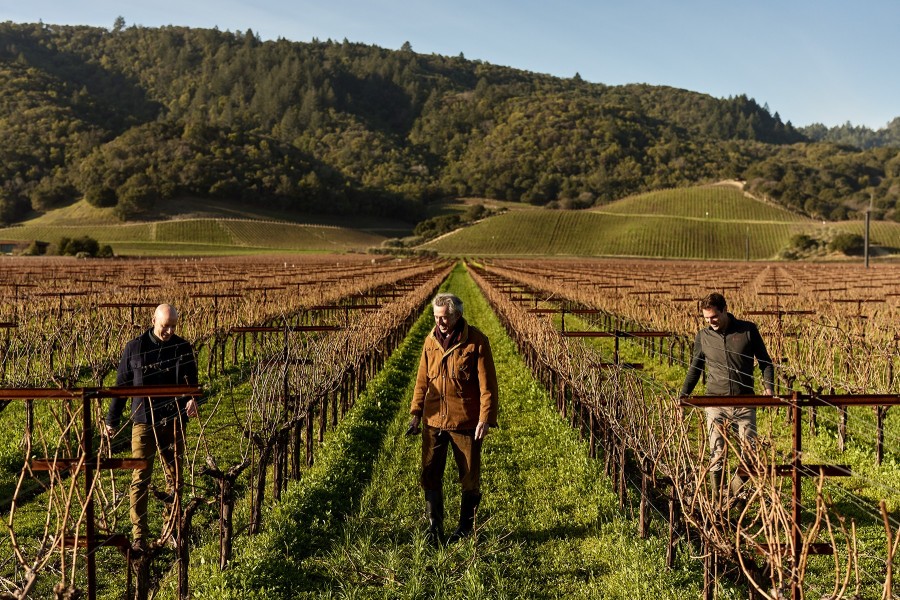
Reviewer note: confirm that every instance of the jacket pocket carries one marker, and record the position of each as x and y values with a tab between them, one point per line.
464	368
433	387
136	366
433	358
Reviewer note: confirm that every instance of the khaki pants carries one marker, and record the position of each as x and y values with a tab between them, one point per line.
146	440
740	420
466	451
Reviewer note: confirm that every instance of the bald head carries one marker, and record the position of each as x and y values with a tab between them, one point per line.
165	319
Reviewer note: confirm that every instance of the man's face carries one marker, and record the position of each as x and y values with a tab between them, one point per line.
164	323
717	319
443	320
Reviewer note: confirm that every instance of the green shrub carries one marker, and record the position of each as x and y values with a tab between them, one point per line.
801	241
435	226
847	243
84	245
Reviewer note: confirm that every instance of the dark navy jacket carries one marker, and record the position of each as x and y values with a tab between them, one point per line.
149	361
728	357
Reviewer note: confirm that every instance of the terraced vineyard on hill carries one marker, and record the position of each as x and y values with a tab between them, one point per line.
707	223
205	236
720	202
570	233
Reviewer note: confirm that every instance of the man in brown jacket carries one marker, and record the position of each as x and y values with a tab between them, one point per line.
455	400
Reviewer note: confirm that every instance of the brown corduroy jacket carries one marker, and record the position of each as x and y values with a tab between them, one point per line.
458	388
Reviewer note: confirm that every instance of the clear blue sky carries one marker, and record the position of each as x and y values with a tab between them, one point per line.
825	61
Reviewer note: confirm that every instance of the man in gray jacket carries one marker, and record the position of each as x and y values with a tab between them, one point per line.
727	348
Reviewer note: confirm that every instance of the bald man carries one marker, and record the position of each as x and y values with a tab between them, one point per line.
156	357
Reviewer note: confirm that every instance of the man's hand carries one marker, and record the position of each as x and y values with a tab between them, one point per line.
191	409
768	393
413	428
481	430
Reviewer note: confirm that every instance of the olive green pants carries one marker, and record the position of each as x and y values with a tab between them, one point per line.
146	442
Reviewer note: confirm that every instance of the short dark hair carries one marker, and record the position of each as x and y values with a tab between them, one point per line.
714	300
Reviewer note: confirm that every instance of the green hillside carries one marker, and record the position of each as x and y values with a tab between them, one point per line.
672	224
205	236
134	117
191	225
721	202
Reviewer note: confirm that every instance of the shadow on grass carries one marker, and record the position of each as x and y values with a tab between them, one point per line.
556	532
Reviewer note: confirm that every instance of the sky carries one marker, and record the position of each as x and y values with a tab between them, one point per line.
812	61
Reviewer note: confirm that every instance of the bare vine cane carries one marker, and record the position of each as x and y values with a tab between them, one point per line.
840	587
892	541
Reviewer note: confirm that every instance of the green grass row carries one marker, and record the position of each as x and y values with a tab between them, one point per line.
548	524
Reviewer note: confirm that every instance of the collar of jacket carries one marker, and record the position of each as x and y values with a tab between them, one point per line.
731	322
463	338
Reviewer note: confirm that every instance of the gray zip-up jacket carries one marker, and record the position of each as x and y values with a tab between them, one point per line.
729	357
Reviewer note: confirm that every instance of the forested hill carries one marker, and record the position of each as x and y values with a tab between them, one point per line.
131	115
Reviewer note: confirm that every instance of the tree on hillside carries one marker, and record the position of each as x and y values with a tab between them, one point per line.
12	206
847	243
52	191
137	195
345	126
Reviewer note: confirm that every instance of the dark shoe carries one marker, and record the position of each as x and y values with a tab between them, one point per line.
165	497
467	509
434	514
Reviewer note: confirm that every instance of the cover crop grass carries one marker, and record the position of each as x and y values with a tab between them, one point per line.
548	526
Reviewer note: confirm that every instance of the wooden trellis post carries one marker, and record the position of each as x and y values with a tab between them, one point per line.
797	469
6	327
779	315
87	463
60	308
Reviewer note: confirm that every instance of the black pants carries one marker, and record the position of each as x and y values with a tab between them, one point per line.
466	451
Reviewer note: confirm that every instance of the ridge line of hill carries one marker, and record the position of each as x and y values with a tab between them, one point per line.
686	218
